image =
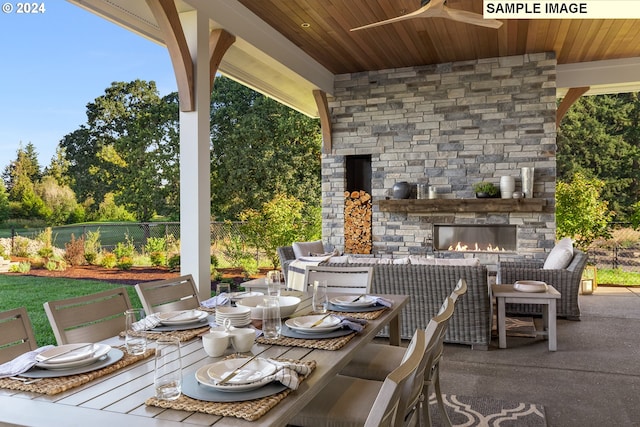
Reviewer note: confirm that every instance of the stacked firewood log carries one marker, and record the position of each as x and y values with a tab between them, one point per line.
357	222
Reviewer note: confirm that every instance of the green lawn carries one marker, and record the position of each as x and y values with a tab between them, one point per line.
33	292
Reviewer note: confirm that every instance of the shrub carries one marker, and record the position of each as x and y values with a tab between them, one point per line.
174	262
51	265
21	267
91	245
158	258
125	263
125	249
155	244
109	260
74	253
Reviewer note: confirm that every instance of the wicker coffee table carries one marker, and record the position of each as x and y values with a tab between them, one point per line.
506	293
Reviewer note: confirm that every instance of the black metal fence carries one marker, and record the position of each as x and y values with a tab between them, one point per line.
223	235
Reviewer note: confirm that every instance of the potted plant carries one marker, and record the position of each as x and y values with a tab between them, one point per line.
485	189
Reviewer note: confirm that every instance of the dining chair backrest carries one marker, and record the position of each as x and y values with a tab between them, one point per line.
88	318
350	280
389	405
179	293
16	334
433	337
459	290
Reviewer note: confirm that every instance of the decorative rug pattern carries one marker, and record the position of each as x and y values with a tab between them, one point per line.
487	412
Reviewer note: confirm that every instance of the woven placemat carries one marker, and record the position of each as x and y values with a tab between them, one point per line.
321	344
366	315
249	410
183	336
51	386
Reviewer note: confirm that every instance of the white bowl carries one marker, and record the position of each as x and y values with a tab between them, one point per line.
287	305
530	286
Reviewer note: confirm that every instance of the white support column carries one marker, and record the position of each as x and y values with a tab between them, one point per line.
195	188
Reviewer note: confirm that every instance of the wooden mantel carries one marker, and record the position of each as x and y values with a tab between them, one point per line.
419	206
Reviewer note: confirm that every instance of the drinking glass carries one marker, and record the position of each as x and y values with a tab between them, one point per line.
273	283
320	298
271	321
167	378
135	342
224	288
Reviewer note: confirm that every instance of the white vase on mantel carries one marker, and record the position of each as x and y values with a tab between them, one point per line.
507	187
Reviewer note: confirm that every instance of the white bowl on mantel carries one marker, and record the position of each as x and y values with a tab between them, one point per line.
530	286
288	305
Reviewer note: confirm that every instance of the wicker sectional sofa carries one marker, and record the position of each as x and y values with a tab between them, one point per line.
428	286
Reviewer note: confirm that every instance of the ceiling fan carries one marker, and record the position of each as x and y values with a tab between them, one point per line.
437	9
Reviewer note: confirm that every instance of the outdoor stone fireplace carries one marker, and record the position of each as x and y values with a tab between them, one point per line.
447	125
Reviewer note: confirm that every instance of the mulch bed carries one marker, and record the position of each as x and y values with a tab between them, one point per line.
134	275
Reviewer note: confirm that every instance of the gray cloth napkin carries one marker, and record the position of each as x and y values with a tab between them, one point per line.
22	363
352	323
287	373
382	301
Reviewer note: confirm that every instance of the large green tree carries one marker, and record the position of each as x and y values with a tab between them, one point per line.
129	147
599	137
260	148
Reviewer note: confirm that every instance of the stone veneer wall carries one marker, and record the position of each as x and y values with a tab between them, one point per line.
448	125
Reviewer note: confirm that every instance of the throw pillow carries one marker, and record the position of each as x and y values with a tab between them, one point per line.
301	249
344	259
560	256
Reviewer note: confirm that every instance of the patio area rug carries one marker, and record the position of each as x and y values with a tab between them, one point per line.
487	412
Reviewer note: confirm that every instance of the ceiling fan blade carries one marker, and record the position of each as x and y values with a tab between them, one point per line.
470	18
424	12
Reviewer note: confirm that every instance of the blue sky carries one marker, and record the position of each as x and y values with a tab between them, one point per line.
53	64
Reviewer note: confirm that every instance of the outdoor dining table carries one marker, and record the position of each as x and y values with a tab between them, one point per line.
118	399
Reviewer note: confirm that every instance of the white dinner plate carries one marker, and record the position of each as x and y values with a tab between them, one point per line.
85	355
303	323
530	286
181	317
250	377
348	301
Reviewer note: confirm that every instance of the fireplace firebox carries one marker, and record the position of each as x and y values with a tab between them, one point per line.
475	237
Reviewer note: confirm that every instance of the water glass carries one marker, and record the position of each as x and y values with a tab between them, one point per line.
271	320
224	288
167	378
273	283
320	297
135	342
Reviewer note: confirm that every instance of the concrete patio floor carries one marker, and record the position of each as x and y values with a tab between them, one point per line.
592	380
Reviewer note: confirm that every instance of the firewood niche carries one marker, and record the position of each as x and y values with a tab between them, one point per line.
357	222
418	206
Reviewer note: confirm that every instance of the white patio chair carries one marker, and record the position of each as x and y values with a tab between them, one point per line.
350	401
173	294
350	280
374	361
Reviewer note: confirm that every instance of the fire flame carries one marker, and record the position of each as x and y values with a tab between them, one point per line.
461	247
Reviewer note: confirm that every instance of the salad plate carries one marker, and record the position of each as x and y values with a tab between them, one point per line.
181	317
353	301
304	323
85	354
250	377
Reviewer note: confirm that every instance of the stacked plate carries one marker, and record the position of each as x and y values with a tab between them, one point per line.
182	317
305	324
253	375
71	355
238	316
351	301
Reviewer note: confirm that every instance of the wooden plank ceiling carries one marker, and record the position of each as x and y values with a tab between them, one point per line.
321	29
